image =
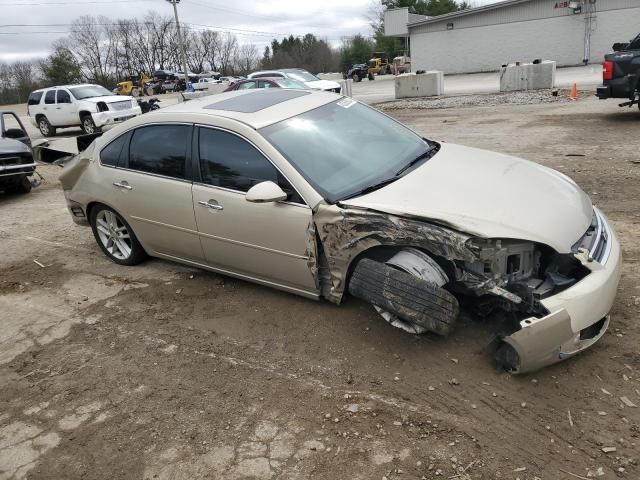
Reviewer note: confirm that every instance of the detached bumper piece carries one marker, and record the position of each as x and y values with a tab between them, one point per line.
578	316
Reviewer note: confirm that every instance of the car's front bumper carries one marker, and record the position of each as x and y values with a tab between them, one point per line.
112	117
578	318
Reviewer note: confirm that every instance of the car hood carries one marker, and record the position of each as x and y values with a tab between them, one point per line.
323	85
10	145
108	99
489	195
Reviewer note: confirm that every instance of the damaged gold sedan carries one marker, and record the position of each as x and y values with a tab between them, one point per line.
322	196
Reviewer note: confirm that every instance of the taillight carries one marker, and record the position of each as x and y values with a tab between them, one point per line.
607	70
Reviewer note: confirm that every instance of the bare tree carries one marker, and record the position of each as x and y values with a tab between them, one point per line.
228	53
246	59
197	51
212	40
93	47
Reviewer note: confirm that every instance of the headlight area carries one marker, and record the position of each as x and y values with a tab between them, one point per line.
514	276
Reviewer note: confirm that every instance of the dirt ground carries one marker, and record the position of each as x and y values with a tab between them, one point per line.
166	372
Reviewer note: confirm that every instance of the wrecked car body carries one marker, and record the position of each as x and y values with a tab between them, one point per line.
264	186
17	165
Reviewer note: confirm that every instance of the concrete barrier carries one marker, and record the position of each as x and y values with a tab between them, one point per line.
528	76
426	84
212	90
330	76
346	87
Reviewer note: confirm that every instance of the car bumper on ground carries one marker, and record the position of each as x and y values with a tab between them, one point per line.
103	119
578	318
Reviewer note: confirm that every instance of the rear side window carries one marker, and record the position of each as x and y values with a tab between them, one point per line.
34	98
50	97
160	149
112	153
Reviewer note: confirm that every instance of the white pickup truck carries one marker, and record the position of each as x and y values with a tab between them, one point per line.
205	83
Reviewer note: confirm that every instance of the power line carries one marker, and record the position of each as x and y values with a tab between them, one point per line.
240	31
65	3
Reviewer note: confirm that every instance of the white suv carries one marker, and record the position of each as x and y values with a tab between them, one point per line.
89	106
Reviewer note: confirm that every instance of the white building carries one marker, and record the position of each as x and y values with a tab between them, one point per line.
484	38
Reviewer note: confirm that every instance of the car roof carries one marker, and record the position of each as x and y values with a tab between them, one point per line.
256	108
66	86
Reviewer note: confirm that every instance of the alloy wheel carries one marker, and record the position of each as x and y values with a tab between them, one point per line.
114	234
88	126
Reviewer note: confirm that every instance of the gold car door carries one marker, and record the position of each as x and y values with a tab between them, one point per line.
150	189
271	242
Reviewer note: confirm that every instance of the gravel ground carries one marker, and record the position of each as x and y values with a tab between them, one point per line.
533	97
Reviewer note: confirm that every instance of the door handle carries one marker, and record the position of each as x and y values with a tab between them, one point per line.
123	184
58	108
214	206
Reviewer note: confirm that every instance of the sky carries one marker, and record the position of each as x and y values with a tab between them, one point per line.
28	27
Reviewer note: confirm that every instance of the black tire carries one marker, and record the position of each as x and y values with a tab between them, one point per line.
88	125
46	129
371	77
136	253
21	186
410	298
355	77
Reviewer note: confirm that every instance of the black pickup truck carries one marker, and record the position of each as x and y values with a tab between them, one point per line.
621	73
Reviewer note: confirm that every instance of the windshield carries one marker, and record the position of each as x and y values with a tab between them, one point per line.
89	91
344	147
302	76
634	44
287	83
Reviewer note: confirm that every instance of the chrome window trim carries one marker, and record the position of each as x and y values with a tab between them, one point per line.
242	137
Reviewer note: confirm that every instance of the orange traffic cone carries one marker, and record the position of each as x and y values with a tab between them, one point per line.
573	94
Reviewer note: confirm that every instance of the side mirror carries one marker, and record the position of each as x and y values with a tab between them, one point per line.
15	133
265	192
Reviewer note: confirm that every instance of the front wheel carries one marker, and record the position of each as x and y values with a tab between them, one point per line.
355	77
371	77
21	186
115	237
404	299
88	125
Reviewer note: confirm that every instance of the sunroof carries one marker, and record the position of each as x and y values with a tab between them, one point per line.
256	100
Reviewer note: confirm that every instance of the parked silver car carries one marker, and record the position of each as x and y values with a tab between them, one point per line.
321	196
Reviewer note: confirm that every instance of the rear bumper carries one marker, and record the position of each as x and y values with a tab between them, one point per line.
103	119
578	318
622	87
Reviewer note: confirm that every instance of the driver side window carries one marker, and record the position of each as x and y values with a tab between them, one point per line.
63	96
228	161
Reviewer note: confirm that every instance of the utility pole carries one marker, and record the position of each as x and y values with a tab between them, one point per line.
589	18
181	42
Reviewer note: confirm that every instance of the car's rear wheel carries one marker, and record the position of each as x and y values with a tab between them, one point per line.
88	125
115	237
355	77
46	129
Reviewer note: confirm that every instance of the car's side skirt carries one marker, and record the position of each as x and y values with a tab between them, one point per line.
313	295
